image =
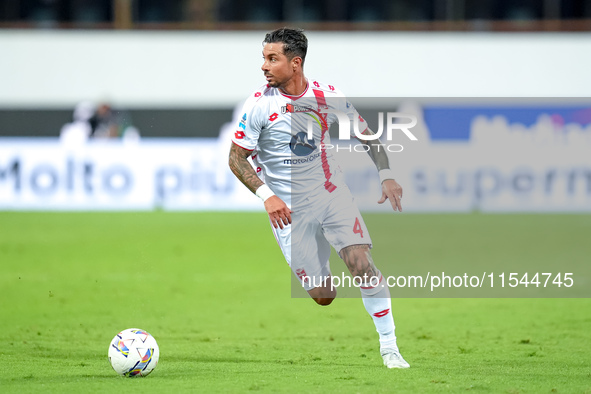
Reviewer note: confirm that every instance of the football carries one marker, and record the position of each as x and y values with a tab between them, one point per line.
133	352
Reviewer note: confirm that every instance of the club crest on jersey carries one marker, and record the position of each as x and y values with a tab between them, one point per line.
291	108
301	145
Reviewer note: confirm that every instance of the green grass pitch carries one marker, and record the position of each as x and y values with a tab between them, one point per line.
214	290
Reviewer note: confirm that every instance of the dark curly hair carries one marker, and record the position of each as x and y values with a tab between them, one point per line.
294	42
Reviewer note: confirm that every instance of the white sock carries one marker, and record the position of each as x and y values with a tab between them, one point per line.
379	306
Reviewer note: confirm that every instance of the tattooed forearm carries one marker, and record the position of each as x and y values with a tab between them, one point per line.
242	169
377	152
358	260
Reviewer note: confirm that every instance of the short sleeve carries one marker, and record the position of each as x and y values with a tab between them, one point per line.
249	126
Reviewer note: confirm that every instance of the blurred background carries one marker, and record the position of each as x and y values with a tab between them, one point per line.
128	104
228	14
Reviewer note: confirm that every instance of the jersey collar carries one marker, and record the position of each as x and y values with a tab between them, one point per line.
296	97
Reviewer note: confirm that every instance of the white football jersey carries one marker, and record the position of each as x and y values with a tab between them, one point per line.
289	138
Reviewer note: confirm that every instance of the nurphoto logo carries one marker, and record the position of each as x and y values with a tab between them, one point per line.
391	126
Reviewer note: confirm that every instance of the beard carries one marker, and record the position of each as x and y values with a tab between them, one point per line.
273	83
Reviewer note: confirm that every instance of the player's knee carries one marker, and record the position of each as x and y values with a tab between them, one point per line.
358	259
323	301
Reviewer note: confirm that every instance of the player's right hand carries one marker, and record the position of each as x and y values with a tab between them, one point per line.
392	191
279	212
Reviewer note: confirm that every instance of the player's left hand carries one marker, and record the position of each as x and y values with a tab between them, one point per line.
392	191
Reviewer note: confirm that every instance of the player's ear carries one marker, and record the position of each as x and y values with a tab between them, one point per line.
296	62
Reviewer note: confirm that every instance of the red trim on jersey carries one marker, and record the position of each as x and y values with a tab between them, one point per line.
363	132
295	97
242	146
321	100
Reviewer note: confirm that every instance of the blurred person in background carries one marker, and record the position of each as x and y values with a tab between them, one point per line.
104	123
78	131
98	122
108	123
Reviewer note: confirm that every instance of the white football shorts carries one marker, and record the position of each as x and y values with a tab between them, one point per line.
330	219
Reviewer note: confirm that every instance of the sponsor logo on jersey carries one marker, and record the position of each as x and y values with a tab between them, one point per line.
301	145
291	108
303	160
242	123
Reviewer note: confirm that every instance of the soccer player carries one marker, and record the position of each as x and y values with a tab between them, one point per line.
284	129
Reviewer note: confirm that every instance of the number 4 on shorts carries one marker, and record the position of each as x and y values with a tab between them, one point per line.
357	228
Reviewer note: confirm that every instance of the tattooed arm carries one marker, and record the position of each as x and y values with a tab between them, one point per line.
391	190
242	168
279	213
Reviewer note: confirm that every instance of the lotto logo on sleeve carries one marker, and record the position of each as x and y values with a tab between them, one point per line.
273	117
239	134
